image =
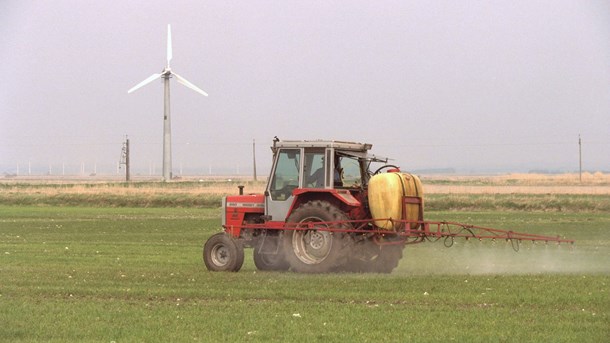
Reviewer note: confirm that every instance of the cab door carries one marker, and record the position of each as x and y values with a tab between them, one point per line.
285	177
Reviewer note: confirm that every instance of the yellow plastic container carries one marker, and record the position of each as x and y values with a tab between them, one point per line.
385	197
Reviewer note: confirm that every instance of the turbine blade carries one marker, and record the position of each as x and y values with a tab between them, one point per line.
189	85
169	44
145	82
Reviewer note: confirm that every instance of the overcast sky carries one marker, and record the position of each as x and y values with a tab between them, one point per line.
471	85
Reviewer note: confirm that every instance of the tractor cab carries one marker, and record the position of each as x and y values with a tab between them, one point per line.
306	169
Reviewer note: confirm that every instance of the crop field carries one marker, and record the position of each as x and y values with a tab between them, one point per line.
117	271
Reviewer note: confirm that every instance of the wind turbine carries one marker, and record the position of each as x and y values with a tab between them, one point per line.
166	74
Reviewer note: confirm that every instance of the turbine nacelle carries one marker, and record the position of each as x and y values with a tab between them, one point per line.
167	73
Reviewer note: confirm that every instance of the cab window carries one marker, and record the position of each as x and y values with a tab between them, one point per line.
350	172
286	176
314	169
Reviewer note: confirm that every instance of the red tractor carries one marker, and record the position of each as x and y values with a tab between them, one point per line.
325	209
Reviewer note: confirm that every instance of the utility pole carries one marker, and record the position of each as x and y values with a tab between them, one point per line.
125	159
127	165
579	158
254	156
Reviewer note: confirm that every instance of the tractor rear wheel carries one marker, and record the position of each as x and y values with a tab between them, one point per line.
222	253
312	250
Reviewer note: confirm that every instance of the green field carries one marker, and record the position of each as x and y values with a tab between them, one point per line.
135	274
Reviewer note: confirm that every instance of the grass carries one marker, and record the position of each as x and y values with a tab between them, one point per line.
135	194
522	202
135	274
531	179
474	193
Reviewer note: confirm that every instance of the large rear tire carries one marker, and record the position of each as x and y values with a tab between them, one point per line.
222	253
312	250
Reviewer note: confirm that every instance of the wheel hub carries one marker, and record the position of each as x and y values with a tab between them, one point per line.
312	247
220	255
316	240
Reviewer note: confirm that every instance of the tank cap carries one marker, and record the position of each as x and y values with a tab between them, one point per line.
394	170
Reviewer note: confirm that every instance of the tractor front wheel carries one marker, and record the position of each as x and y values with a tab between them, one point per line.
268	255
222	253
315	250
269	262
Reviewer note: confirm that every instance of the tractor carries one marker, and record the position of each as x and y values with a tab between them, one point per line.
332	206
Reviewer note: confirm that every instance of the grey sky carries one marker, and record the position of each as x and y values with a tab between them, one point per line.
500	85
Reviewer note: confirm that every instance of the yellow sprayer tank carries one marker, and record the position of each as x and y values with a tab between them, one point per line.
385	195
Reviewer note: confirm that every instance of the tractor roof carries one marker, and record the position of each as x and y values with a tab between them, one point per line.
339	145
359	150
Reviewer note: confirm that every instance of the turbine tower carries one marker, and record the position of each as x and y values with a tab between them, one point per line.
166	74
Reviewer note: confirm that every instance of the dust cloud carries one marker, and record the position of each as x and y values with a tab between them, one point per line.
475	257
